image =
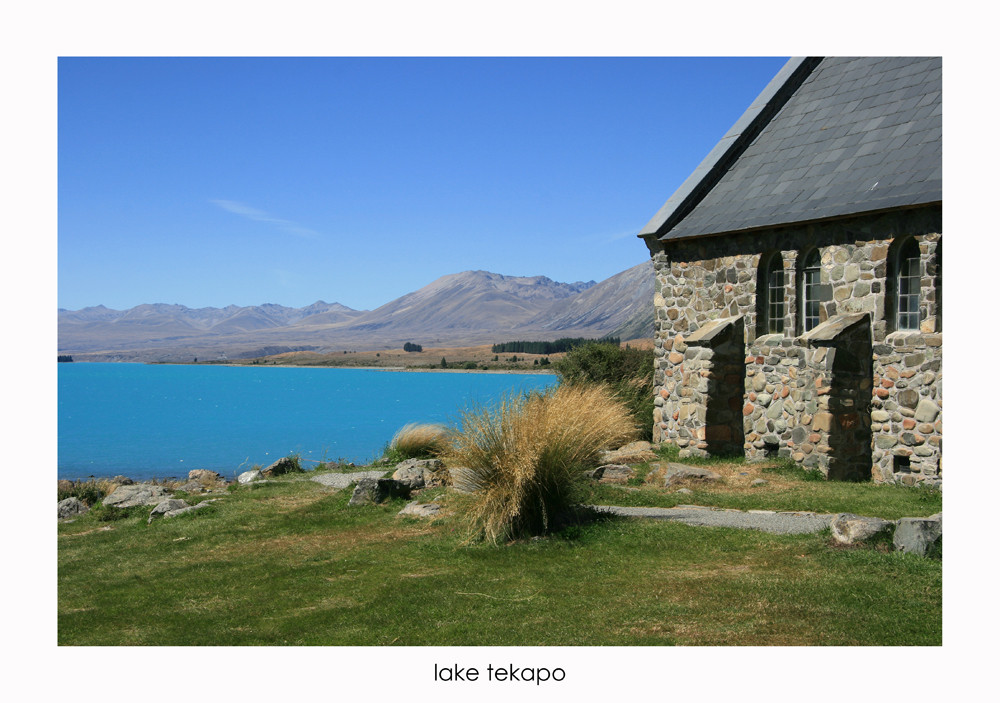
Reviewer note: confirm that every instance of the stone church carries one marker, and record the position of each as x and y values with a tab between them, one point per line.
798	277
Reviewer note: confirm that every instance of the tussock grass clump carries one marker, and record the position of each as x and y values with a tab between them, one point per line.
416	440
524	458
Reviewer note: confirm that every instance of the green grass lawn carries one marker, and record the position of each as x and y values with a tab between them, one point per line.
788	487
291	563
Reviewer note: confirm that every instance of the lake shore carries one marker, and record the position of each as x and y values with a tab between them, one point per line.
414	369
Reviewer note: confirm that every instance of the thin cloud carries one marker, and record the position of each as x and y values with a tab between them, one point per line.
609	238
252	213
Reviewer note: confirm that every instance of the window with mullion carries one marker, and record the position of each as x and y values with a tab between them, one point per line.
908	299
810	291
775	296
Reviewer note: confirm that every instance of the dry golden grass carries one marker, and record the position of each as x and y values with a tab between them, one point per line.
416	439
525	456
737	478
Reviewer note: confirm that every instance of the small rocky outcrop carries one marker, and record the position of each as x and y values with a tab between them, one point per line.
123	480
378	490
919	535
250	476
192	487
422	473
167	506
613	473
850	529
416	509
632	453
173	507
673	473
204	476
285	465
136	494
71	507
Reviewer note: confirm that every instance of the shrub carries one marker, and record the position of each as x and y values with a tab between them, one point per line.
629	372
90	492
525	457
416	441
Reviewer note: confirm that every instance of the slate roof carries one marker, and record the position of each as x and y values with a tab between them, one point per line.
827	137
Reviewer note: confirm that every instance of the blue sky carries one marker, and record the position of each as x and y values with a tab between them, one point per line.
217	181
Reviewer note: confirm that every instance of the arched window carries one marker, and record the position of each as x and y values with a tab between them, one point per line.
907	280
771	294
809	299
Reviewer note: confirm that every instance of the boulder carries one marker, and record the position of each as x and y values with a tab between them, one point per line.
250	476
412	476
136	494
71	506
166	506
613	473
917	535
459	479
675	473
204	476
632	453
282	466
378	490
175	507
123	481
848	528
192	487
421	473
416	509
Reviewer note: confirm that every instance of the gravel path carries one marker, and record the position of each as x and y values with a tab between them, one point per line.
781	523
786	523
345	480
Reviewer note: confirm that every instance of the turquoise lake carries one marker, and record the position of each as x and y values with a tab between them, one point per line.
159	421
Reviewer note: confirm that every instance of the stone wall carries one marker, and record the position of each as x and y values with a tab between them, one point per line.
710	279
906	408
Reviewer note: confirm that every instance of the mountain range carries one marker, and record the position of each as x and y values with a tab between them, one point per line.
468	308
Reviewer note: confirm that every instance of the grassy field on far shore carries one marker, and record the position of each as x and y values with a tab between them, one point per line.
480	358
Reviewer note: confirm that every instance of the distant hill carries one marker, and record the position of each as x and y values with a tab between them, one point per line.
607	305
472	300
162	325
472	307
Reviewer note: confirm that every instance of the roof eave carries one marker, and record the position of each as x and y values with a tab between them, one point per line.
800	223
